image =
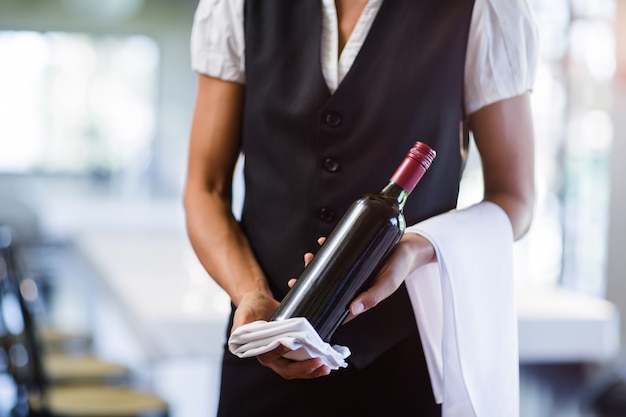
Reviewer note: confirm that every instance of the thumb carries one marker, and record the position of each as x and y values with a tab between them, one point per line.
381	289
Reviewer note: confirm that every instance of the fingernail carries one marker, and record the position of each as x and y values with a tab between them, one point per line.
357	308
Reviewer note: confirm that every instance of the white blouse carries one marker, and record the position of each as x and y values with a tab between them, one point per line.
501	59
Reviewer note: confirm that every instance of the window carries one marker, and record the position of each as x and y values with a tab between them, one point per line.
572	100
73	103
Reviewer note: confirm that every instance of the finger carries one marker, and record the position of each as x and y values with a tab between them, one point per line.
308	369
380	290
308	257
321	371
292	282
273	355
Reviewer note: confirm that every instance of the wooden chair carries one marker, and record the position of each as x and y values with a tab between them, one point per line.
60	367
36	395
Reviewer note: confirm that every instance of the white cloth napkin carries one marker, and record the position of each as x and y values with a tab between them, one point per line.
297	334
465	309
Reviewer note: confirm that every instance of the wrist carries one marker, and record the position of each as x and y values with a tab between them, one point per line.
255	291
424	252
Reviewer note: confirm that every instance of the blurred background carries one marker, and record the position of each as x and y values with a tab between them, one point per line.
96	98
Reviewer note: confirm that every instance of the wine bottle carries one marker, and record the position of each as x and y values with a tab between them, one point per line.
355	249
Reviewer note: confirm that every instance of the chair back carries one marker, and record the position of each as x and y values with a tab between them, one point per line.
17	327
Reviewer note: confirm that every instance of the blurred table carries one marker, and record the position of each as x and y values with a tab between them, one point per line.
557	325
171	303
166	310
179	310
142	257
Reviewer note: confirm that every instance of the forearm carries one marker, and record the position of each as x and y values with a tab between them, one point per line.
221	246
504	136
215	235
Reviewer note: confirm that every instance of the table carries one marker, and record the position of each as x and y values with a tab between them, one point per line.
181	311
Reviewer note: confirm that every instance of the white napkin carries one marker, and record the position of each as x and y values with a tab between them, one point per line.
297	334
465	309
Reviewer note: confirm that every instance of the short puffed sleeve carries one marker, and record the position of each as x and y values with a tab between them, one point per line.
217	40
502	52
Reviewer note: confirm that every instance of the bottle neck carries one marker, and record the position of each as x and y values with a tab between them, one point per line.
409	173
395	192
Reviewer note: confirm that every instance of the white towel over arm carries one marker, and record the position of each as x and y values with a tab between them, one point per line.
465	309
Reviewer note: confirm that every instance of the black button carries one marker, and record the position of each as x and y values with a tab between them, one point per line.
331	165
326	215
333	119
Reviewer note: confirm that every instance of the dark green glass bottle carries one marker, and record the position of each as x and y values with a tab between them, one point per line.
355	249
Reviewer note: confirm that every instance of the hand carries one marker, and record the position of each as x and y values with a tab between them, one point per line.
288	369
307	259
253	306
257	305
410	253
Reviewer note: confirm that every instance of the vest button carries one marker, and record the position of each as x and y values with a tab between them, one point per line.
332	119
326	214
331	165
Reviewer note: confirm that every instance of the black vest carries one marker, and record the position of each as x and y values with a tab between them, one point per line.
310	154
